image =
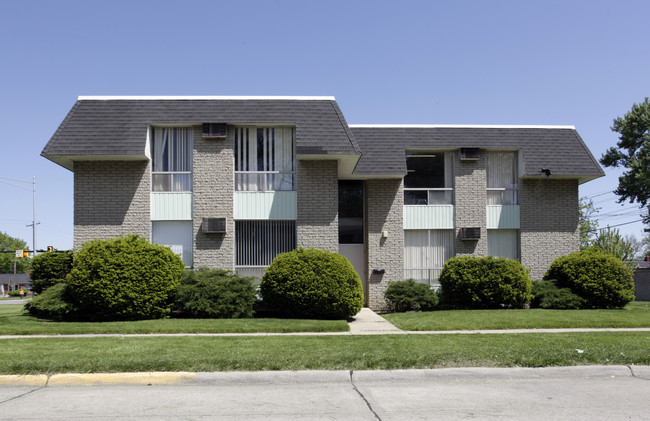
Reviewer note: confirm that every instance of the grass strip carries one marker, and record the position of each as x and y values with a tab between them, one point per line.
87	355
635	314
14	322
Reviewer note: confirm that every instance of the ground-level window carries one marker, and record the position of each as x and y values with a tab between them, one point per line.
175	234
503	243
425	253
258	242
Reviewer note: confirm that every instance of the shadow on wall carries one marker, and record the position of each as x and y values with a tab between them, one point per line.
105	190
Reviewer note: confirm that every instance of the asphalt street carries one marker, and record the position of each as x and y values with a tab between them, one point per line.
589	393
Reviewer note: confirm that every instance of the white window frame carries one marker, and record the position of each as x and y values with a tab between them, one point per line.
431	191
171	174
246	156
499	195
431	269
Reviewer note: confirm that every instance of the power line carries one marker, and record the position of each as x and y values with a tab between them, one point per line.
617	225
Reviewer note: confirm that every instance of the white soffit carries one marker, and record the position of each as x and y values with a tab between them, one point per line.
199	98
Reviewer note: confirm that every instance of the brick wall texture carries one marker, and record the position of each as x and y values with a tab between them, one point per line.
384	202
213	170
470	198
549	222
111	198
318	205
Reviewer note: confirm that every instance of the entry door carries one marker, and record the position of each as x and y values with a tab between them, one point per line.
351	227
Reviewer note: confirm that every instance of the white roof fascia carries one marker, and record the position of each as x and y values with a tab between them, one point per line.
458	126
198	98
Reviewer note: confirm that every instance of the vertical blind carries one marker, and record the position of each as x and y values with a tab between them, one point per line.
264	158
258	242
425	253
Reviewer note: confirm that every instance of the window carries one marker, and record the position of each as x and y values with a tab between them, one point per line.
503	243
177	235
258	242
265	159
350	212
502	187
172	159
429	179
425	253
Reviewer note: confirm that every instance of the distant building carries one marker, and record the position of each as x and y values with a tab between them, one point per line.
13	282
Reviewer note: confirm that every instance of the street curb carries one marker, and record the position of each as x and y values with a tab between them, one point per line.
321	376
38	380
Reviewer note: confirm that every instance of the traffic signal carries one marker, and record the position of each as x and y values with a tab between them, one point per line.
50	249
25	253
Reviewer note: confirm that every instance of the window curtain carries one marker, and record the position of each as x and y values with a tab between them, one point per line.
425	253
503	243
172	153
502	174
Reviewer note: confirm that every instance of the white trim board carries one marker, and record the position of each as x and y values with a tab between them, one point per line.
458	126
199	98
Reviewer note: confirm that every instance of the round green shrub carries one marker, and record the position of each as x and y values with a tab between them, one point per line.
52	304
313	284
49	269
547	295
215	293
409	295
484	282
601	279
125	278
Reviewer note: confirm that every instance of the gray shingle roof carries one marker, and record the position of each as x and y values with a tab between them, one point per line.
559	149
109	127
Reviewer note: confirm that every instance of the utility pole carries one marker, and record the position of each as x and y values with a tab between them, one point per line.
33	189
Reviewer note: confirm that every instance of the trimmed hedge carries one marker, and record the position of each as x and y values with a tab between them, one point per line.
409	295
312	283
484	282
547	295
52	304
125	278
49	269
601	279
215	293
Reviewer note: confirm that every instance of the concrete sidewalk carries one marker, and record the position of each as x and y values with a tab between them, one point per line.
367	322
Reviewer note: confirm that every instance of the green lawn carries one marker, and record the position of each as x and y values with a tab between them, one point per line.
14	322
635	314
133	354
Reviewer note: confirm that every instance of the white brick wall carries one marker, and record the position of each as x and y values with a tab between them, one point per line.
318	205
111	198
213	170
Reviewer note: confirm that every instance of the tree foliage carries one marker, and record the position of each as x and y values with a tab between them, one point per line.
587	222
632	152
9	243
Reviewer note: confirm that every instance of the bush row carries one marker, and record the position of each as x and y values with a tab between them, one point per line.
130	279
580	280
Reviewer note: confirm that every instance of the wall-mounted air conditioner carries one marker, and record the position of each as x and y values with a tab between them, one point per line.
473	233
470	154
213	225
215	130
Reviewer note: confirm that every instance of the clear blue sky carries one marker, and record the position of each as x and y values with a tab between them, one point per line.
579	63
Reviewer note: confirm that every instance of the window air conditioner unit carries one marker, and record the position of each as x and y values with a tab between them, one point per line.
473	233
470	154
213	225
215	130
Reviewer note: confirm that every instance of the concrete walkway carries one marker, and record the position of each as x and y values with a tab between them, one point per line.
367	322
